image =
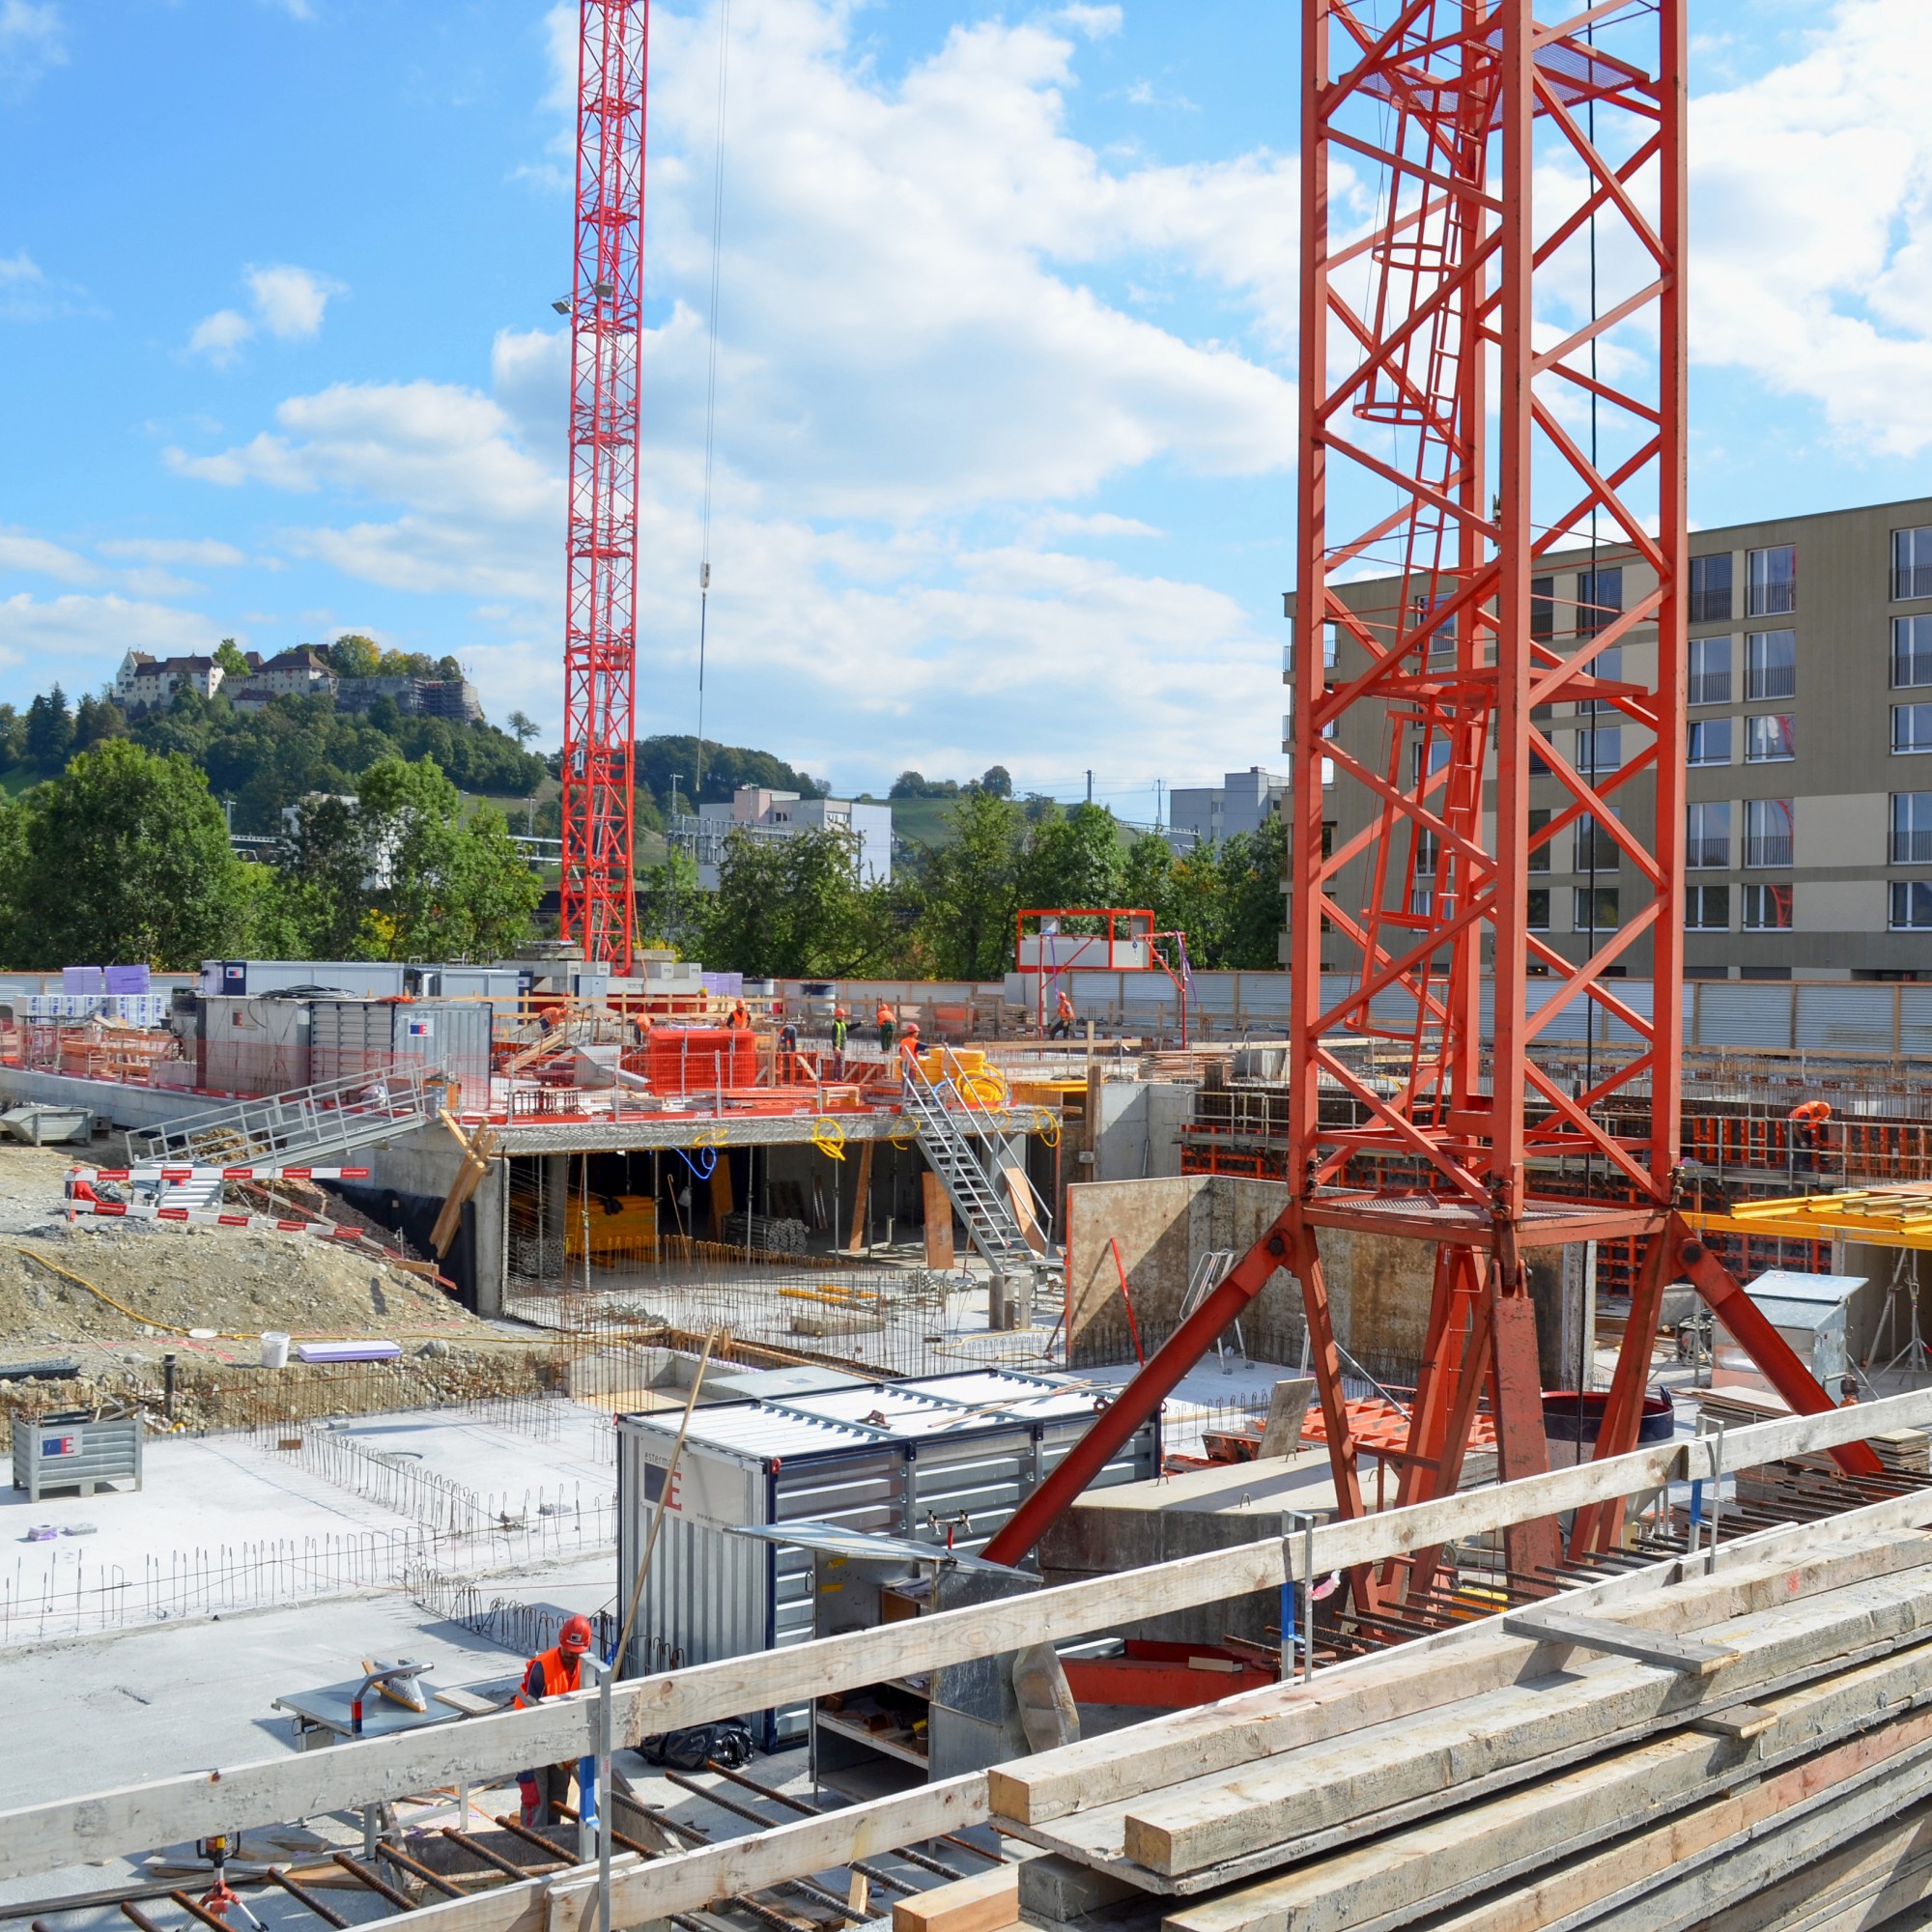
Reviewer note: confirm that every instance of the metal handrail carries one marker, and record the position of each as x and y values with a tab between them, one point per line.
350	1111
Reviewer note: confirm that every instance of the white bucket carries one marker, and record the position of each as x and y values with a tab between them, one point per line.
274	1350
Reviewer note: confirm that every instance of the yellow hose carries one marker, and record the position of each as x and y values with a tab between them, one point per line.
828	1136
102	1294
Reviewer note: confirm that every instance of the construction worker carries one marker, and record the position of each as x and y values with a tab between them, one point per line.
909	1039
841	1031
1062	1017
552	1673
887	1025
1806	1122
741	1017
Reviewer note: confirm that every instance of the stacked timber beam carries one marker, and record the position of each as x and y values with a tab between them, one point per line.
1556	1769
1773	1677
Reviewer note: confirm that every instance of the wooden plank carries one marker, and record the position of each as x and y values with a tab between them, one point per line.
1020	1197
74	1829
1209	1822
938	1203
986	1902
1687	1656
861	1192
1745	1723
1432	1865
824	1843
1104	1771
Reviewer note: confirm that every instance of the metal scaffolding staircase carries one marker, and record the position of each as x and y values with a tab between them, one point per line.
305	1124
992	1227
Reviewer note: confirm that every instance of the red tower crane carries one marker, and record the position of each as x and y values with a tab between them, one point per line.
601	617
1442	440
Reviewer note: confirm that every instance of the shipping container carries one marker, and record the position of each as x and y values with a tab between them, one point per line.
943	1457
357	1037
253	1046
361	978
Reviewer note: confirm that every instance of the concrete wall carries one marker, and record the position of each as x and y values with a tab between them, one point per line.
1140	1123
1378	1287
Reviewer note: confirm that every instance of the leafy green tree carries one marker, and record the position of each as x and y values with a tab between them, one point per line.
354	655
322	874
1072	860
12	736
49	730
522	727
447	887
228	654
123	857
1251	870
672	905
793	908
95	719
970	887
996	779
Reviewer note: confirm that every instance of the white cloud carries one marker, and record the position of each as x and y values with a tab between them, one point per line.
289	303
1812	230
219	336
36	556
204	551
33	38
1097	24
83	638
916	345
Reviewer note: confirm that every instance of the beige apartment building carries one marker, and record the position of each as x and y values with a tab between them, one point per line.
1808	833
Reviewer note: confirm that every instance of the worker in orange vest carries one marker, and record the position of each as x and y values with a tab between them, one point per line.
1062	1018
741	1018
887	1027
909	1039
1808	1130
552	1673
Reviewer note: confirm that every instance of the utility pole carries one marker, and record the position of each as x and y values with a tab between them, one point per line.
1089	787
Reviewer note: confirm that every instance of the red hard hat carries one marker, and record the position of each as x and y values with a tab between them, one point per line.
574	1635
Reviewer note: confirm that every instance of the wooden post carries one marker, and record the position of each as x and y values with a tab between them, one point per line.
939	1250
861	1196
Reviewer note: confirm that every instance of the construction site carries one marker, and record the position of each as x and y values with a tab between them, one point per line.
1438	1436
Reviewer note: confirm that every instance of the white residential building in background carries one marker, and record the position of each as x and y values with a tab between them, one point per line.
1210	814
765	814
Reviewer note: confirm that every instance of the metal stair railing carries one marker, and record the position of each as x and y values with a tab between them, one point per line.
333	1117
991	1225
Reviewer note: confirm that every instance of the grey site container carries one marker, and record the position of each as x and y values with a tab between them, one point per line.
904	1459
252	1045
352	1038
73	1451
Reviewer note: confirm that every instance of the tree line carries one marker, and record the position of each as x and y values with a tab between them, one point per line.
798	908
125	856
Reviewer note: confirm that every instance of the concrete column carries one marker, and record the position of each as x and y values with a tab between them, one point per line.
555	1206
490	1207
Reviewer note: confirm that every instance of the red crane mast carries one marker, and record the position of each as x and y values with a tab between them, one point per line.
1442	443
601	615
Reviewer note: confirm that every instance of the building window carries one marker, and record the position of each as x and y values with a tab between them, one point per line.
1768	832
1911	652
1707	909
1438	759
1600	598
1426	848
1710	671
1706	836
1912	727
1912	828
1771	581
1912	905
1597	849
1608	664
1771	664
1539	855
1596	909
1542	609
1711	589
1912	562
1331	634
1328	837
1601	749
1767	908
1771	739
1536	909
1708	741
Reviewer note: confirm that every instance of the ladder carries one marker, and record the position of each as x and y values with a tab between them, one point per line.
991	1226
1209	1272
334	1116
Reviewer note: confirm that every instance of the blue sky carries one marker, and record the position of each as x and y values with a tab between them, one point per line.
1006	401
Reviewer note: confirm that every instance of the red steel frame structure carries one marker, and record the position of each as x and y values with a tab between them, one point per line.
1436	106
601	619
1127	926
